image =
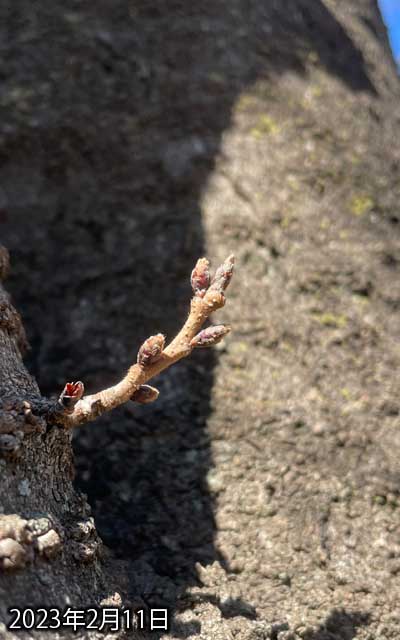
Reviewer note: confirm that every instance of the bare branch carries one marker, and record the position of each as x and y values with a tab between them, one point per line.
152	356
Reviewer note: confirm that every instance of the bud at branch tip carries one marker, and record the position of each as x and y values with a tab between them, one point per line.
223	275
200	278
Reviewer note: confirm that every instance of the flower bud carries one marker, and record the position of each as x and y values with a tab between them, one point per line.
151	350
223	275
145	394
200	278
210	336
71	394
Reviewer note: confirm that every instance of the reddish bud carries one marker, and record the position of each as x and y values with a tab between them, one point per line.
210	336
71	394
200	278
151	350
223	275
145	394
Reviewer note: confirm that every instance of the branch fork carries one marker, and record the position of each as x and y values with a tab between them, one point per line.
74	408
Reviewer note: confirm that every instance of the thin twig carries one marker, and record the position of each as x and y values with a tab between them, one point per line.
153	357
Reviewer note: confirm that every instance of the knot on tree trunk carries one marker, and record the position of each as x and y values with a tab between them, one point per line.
24	541
17	420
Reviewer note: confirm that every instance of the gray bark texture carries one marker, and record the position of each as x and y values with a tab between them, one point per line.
258	498
46	535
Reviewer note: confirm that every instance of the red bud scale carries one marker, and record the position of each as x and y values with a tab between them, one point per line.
71	394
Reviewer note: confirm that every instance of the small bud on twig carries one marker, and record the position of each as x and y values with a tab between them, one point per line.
200	278
70	395
145	394
223	275
210	336
151	350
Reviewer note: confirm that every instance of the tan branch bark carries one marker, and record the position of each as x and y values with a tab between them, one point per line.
153	358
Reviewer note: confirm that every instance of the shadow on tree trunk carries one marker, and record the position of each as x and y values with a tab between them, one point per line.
116	124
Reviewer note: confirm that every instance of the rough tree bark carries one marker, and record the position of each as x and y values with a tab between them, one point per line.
132	136
43	516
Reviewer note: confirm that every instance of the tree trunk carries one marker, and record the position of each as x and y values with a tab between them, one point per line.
49	549
255	497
